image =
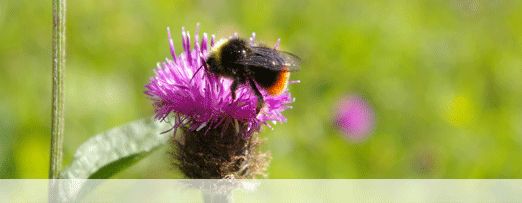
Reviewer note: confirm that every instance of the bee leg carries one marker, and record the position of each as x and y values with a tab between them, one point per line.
260	100
233	89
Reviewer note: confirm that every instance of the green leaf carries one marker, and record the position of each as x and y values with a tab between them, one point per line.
108	153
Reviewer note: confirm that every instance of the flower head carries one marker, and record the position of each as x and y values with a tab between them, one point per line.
203	100
219	133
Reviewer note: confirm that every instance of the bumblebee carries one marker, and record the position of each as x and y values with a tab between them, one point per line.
244	62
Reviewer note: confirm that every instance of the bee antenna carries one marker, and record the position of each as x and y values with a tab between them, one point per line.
196	72
203	63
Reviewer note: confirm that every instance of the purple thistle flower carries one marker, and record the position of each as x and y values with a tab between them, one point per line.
220	135
354	117
202	100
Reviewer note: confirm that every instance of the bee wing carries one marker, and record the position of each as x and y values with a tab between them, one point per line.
272	59
289	58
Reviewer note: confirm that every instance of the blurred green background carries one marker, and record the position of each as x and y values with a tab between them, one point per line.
443	78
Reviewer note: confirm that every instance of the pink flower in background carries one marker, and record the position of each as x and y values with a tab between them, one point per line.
354	117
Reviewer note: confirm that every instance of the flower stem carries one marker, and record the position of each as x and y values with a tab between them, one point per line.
214	197
58	88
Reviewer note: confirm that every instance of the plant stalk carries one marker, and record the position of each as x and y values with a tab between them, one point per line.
57	127
58	87
214	197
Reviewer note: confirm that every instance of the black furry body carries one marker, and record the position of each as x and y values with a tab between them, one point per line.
241	61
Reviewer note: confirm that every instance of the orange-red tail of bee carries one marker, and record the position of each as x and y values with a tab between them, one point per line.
280	84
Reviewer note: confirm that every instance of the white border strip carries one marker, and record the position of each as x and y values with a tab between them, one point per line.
375	190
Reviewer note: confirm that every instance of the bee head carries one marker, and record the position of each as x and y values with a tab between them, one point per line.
214	64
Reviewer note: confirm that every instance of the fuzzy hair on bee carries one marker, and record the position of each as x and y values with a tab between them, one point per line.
244	62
